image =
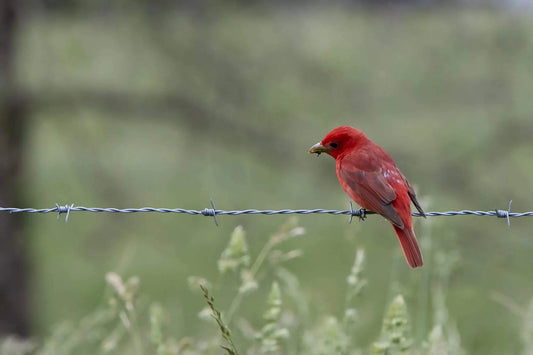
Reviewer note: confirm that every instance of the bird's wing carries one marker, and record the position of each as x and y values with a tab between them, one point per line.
372	188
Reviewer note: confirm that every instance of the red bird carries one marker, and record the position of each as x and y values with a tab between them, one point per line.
370	177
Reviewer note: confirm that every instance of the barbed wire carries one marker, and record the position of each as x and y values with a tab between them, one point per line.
213	212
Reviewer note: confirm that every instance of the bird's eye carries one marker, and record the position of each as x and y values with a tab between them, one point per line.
334	145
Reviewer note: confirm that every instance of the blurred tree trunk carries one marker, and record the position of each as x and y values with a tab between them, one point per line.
13	276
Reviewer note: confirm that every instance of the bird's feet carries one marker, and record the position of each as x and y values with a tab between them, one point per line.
362	214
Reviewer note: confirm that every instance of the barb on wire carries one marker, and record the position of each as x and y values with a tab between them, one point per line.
505	214
213	212
361	213
352	212
63	209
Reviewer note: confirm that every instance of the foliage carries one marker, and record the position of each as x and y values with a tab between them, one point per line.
395	338
130	325
224	330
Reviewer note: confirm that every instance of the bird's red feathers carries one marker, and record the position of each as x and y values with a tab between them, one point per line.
410	247
370	177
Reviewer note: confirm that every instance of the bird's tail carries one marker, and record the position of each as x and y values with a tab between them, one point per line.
410	247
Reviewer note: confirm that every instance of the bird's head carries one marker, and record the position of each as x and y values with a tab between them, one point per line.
340	140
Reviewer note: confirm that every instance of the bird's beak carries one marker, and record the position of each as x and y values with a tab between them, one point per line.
318	148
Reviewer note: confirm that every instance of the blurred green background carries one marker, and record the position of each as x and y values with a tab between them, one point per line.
168	106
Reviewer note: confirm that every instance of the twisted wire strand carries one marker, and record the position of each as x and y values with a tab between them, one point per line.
213	212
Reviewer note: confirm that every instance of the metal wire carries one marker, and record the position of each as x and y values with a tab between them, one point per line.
213	212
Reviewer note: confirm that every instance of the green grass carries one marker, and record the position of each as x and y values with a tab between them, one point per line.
128	322
172	111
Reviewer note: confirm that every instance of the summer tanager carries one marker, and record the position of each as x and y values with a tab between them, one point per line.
370	177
